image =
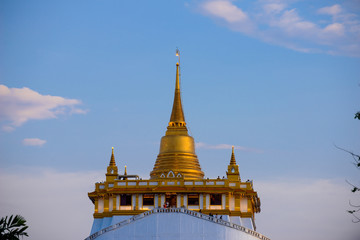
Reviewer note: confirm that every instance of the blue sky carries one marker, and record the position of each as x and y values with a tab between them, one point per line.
278	79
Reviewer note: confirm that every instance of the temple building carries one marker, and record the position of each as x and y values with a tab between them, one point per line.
176	202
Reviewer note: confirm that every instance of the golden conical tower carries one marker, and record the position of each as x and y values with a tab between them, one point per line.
233	169
112	169
177	156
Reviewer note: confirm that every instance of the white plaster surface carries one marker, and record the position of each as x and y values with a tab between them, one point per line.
100	223
110	204
243	205
96	225
174	226
101	205
247	222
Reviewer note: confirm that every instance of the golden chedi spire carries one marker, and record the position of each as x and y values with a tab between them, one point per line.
112	158
232	160
177	114
112	169
233	169
177	148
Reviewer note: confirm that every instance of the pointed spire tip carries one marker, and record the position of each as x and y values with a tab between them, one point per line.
112	159
177	114
232	160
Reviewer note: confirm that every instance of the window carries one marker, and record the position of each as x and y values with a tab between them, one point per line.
193	199
148	200
215	199
125	200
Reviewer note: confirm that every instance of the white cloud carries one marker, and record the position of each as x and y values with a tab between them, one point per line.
33	142
274	7
225	10
290	23
335	29
278	22
226	146
332	10
19	105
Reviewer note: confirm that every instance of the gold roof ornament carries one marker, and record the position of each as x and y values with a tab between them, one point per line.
112	169
233	169
112	159
177	148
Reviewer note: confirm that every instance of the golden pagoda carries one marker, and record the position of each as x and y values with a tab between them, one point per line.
176	181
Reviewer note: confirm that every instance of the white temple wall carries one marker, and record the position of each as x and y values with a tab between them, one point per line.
117	219
156	200
110	204
126	208
226	218
117	202
193	207
133	201
201	201
140	201
215	207
223	201
106	222
247	222
100	223
162	200
96	225
178	200
207	200
174	226
100	205
236	220
232	202
243	205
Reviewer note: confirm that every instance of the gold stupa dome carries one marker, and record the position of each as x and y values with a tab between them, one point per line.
177	149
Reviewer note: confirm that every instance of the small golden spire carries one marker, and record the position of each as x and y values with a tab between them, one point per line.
232	161
112	159
125	173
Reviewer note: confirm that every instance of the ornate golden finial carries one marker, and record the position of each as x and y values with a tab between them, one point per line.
177	115
125	172
112	159
232	161
233	169
178	54
112	169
